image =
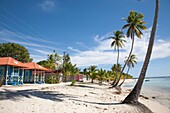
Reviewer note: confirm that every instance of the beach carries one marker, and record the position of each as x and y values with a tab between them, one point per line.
63	98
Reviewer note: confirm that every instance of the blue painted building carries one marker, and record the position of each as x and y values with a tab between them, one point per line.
14	72
11	71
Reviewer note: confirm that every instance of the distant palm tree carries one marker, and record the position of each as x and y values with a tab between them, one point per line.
115	68
109	75
74	71
118	42
92	72
85	72
134	24
134	94
130	63
101	75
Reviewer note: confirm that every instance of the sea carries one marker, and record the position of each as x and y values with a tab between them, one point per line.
157	89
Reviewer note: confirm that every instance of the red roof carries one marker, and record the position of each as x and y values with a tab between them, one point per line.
10	61
33	65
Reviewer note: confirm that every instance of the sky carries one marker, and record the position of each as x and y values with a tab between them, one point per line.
82	27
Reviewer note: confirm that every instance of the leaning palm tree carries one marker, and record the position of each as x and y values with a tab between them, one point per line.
92	72
130	64
134	24
134	94
118	42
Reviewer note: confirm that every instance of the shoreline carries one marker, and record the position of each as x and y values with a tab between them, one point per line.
153	93
62	98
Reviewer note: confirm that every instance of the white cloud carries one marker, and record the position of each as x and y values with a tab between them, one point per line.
82	45
74	50
47	5
103	54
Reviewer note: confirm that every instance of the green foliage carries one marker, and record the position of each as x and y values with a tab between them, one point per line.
92	72
85	72
68	68
101	75
73	83
116	67
15	51
118	40
132	61
46	64
52	79
52	62
134	24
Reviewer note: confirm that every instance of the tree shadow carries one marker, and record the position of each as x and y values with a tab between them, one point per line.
98	103
85	86
49	95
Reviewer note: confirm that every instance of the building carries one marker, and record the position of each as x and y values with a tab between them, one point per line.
34	73
14	72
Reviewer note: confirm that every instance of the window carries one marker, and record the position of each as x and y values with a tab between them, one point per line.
16	71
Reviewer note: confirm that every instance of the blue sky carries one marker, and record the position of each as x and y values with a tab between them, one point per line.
79	27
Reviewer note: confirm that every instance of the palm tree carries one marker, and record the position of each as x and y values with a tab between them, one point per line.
85	72
134	94
118	42
115	68
109	75
74	71
134	24
130	64
101	75
92	72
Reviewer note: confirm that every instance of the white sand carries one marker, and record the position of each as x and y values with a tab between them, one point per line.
61	98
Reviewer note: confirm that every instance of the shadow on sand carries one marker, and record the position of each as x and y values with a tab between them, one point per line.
16	95
98	103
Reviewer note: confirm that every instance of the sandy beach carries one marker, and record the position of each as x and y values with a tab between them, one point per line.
62	98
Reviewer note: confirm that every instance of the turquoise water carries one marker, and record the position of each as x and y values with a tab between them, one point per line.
155	87
158	84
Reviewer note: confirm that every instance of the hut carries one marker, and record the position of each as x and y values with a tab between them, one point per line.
11	71
34	73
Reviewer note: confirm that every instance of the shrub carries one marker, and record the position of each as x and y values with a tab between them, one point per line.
73	83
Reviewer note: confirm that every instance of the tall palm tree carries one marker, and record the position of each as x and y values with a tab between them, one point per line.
134	94
130	64
134	24
118	42
92	72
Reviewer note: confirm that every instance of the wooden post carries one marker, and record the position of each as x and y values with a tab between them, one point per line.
18	76
22	77
35	76
41	76
44	77
13	74
6	82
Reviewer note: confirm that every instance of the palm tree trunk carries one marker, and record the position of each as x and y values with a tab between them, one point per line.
116	67
92	80
132	36
133	96
124	77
